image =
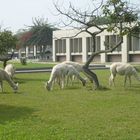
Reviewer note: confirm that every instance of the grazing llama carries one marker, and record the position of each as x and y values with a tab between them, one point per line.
59	74
122	69
4	76
71	73
76	65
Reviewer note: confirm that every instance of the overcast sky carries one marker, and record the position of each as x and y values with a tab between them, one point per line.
18	14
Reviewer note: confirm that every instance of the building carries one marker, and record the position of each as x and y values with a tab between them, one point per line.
69	48
34	52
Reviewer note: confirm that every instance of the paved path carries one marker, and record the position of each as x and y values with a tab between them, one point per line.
49	69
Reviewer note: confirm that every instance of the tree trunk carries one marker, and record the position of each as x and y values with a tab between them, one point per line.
4	63
92	77
90	74
4	59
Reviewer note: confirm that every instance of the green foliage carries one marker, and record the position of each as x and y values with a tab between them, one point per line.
76	112
40	34
23	37
118	12
23	60
7	41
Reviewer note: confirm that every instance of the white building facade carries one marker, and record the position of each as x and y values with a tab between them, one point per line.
79	48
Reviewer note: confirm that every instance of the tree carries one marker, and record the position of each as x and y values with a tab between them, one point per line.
7	43
117	16
39	34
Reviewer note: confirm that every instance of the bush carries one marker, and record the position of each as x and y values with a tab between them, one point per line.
23	60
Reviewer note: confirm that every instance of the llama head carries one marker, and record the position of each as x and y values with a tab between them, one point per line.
48	86
15	87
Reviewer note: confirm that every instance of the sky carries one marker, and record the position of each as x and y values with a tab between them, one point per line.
19	14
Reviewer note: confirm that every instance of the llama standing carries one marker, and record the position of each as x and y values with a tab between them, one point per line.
4	76
122	69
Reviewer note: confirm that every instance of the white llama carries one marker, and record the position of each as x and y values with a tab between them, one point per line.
59	74
10	69
72	71
4	76
122	69
76	65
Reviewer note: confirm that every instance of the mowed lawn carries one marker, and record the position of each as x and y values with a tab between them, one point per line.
75	113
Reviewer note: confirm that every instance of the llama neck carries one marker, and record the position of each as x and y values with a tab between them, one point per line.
50	81
10	81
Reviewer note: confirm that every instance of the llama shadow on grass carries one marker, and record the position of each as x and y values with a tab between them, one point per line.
10	113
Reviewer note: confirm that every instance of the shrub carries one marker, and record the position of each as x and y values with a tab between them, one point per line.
23	60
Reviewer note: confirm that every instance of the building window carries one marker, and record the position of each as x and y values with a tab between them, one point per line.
23	49
112	40
38	48
31	48
76	45
133	43
89	43
60	45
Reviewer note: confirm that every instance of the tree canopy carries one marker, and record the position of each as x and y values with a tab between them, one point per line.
39	34
7	44
7	41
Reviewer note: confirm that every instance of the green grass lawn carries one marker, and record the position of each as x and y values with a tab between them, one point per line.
29	64
75	113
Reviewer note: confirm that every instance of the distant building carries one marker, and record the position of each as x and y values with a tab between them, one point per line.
79	48
34	52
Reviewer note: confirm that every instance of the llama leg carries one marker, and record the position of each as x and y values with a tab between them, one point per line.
62	80
125	78
67	80
1	85
112	80
58	81
70	79
62	84
129	80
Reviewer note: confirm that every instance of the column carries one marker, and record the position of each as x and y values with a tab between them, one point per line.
54	51
84	50
68	50
19	53
103	55
125	50
34	51
27	51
